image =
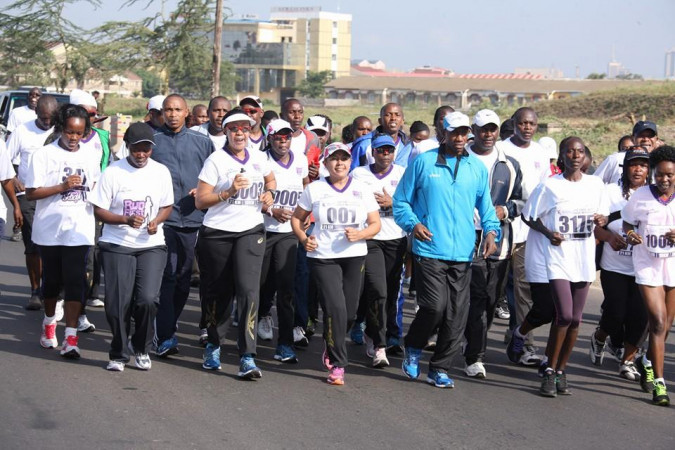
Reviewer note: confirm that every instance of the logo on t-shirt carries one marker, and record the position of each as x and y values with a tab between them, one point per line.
140	208
77	193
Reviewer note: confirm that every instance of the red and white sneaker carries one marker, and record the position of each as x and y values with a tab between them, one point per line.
48	336
336	376
70	348
325	360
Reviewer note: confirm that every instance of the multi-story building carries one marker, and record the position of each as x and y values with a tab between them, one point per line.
670	64
278	53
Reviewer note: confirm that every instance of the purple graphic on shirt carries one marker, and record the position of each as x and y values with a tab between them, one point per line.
141	208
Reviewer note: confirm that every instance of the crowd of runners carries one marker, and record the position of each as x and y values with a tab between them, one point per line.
470	216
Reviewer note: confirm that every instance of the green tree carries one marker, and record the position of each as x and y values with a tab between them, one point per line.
596	76
24	58
312	85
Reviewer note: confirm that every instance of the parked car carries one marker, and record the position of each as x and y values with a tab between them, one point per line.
17	98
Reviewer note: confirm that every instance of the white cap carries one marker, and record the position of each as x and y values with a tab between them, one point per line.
486	116
252	98
277	125
156	102
455	120
82	98
550	147
238	117
335	147
317	123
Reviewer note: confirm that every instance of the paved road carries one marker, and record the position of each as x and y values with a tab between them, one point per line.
47	402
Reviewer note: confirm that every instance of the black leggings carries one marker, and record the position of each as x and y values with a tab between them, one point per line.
569	299
623	311
64	267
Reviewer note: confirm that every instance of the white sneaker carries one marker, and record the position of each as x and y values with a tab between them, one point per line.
142	361
628	371
95	303
115	366
58	312
70	348
475	370
84	326
48	336
530	357
299	337
380	358
265	328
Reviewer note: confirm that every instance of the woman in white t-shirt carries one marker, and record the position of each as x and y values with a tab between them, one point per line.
623	311
346	215
133	198
60	178
649	224
234	185
565	210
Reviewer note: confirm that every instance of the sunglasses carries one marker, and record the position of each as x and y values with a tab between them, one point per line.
384	150
281	137
251	110
243	128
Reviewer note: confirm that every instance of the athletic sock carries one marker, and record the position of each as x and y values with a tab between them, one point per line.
645	361
660	380
49	320
71	331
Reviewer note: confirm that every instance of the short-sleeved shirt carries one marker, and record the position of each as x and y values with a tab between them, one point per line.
289	187
568	207
620	261
388	182
242	211
131	191
66	218
19	116
23	142
334	211
654	259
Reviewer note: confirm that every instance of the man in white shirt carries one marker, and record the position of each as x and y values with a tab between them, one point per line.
218	107
24	113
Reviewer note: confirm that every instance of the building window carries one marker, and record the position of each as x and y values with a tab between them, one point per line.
334	57
334	24
334	41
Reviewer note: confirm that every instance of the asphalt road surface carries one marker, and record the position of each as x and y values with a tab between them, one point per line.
47	402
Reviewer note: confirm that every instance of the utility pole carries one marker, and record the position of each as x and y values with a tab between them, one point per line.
217	36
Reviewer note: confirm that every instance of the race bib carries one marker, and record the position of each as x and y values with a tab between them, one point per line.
657	243
628	251
338	216
78	193
248	196
574	224
286	199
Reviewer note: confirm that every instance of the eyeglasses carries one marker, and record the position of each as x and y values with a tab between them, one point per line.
384	150
234	128
281	137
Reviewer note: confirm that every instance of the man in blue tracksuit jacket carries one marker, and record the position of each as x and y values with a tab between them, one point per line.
435	201
391	121
183	152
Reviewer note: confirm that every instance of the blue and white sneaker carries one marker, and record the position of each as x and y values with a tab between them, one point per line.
285	354
167	347
211	357
411	362
439	379
356	335
248	369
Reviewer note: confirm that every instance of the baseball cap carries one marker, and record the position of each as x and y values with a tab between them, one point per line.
644	125
486	116
550	147
139	132
455	120
82	98
336	147
238	116
317	123
251	99
156	102
277	125
636	153
382	140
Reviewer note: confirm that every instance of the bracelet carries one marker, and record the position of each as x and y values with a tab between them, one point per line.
220	196
630	231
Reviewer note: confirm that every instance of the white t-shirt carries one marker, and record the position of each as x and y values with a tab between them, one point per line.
422	147
617	261
389	181
535	167
92	145
654	259
568	207
609	170
23	142
19	116
218	141
127	190
334	210
289	188
6	173
241	212
66	218
299	143
254	145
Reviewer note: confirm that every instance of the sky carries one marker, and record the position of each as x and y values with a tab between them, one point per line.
476	36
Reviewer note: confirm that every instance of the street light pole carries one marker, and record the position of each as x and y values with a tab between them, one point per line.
217	36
